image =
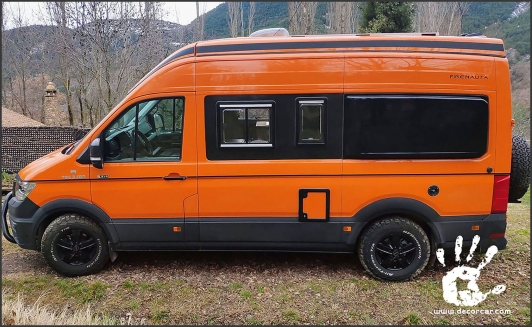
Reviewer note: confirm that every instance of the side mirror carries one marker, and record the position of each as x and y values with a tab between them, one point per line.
96	154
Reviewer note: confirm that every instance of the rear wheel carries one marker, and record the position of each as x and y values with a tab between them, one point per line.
394	249
74	245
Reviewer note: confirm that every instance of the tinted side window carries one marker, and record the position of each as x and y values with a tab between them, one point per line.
415	127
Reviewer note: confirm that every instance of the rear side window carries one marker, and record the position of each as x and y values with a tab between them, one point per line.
415	127
311	121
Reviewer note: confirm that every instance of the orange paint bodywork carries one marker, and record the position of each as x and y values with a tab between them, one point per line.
269	188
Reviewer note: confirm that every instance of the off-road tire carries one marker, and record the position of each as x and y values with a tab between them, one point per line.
520	171
63	225
381	230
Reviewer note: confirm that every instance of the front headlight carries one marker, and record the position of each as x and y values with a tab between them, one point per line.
22	189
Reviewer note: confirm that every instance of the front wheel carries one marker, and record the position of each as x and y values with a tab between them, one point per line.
395	249
74	245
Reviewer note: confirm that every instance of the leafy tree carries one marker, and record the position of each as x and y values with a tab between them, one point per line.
387	17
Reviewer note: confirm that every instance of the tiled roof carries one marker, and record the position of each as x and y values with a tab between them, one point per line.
14	119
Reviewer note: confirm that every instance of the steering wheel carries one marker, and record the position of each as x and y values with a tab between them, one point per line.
144	143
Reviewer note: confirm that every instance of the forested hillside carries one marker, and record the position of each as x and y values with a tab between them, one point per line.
494	19
94	60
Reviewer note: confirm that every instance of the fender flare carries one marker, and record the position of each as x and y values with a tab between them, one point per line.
390	206
76	206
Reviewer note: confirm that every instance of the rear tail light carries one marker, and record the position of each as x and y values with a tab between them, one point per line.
501	188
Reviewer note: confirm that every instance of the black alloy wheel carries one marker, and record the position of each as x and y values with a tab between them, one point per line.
396	251
76	247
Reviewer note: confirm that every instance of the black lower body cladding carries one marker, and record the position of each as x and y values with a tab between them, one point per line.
423	227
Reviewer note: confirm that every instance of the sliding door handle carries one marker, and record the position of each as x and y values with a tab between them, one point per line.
174	177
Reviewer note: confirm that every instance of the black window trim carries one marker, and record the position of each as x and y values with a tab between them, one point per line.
420	96
223	105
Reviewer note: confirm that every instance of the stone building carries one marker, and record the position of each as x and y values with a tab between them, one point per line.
54	115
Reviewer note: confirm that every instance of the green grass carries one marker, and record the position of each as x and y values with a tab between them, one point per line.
82	291
160	316
290	315
413	319
253	321
245	294
442	322
134	304
234	286
144	285
128	285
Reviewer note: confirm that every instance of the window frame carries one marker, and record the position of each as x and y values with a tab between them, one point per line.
323	120
222	106
136	107
413	155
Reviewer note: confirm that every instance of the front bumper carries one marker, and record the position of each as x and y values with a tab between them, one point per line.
22	218
5	229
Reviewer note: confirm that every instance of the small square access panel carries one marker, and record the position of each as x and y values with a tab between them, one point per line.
314	205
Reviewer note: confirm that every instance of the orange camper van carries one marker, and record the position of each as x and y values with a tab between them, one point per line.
388	146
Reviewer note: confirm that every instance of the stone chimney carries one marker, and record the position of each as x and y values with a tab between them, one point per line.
51	106
53	115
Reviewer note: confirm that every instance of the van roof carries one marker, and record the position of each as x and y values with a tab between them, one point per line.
424	42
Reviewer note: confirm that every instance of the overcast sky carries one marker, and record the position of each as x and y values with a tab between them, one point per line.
186	11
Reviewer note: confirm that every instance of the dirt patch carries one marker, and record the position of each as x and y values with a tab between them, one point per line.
272	288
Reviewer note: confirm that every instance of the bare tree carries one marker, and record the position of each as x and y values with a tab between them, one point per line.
17	70
442	17
108	54
301	17
180	33
62	38
151	47
341	17
199	24
251	17
234	11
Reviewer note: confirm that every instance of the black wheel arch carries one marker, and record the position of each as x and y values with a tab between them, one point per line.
52	210
414	210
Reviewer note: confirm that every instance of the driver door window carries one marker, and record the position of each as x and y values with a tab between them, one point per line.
148	131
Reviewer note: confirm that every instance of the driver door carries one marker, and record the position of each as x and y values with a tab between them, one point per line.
149	170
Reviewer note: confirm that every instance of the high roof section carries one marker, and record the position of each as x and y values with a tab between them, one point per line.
410	42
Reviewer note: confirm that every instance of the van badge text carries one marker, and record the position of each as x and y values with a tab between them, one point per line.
73	177
103	176
463	76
